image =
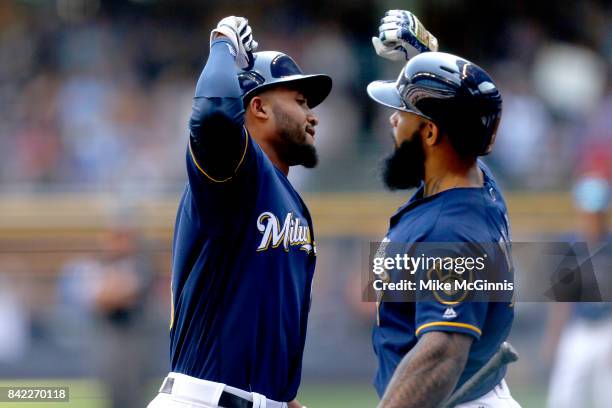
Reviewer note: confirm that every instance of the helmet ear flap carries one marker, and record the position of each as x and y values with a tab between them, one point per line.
487	149
248	81
455	119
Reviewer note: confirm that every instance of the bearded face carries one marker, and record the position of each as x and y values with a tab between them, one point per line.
405	167
296	137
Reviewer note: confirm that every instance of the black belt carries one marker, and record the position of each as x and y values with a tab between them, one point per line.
227	400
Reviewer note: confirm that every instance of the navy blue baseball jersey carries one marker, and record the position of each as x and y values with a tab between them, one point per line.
243	251
453	217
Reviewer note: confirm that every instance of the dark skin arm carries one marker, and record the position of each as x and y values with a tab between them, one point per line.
429	372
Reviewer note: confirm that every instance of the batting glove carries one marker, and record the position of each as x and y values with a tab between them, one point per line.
238	31
401	36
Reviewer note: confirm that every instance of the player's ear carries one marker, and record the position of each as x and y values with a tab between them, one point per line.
430	133
259	108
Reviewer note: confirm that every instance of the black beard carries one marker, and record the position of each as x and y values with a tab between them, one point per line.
405	167
294	150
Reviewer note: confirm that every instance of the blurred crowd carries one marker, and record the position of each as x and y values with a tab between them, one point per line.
96	94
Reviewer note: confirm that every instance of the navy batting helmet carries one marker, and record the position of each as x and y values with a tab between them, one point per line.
273	68
455	94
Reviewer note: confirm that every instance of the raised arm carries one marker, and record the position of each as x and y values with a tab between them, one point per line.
217	140
429	372
401	36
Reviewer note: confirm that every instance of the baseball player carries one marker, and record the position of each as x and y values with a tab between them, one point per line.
243	250
447	110
580	334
